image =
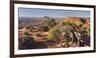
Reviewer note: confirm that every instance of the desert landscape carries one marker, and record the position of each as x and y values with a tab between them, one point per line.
52	32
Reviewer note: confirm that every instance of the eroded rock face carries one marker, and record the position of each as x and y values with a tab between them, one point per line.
78	20
87	24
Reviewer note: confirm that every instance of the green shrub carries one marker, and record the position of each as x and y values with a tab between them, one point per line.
51	34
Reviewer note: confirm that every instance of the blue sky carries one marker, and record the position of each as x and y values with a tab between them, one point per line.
35	12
